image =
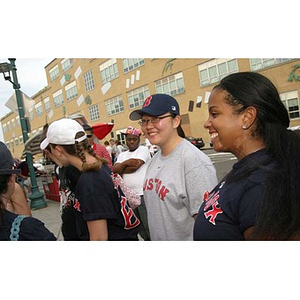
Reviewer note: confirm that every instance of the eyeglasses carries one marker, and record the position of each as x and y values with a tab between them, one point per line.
156	120
89	136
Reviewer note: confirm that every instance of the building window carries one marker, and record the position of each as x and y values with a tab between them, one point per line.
21	139
94	112
137	97
261	63
66	64
114	105
18	121
172	85
8	125
71	91
216	69
47	104
4	128
291	102
31	114
89	81
38	109
54	73
120	136
58	98
109	70
13	123
132	63
17	141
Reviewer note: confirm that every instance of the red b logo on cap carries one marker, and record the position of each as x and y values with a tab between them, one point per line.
147	101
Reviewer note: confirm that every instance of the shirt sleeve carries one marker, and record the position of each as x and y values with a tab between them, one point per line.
32	229
143	153
96	195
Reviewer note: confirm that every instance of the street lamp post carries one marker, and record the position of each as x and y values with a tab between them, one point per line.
36	197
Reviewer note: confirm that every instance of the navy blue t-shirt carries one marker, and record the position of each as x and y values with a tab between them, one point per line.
31	229
232	206
99	199
74	227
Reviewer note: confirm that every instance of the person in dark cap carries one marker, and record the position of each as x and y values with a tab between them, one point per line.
178	175
13	226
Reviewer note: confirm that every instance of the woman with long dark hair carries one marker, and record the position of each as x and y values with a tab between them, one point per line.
260	198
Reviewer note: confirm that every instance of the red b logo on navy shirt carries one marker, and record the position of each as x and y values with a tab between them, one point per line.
147	101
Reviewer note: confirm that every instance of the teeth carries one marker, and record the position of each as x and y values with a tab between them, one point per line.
213	135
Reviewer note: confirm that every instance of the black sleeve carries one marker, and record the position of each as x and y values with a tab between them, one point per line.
32	229
95	193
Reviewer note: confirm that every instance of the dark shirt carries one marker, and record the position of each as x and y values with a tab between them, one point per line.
74	227
232	206
99	199
92	196
31	229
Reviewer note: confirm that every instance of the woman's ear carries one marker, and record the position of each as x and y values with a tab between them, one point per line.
58	150
250	114
176	121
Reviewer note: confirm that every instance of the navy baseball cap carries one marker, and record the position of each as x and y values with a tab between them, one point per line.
156	105
7	162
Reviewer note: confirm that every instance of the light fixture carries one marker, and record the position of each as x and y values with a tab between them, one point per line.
5	69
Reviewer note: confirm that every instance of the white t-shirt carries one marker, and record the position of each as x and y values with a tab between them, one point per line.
135	180
109	150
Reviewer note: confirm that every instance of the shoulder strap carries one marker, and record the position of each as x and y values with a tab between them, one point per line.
15	228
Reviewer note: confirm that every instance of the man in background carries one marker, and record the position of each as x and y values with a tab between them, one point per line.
132	165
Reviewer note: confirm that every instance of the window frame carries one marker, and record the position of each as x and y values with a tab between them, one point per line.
263	63
130	64
89	82
141	94
205	67
112	104
94	114
71	90
170	85
288	96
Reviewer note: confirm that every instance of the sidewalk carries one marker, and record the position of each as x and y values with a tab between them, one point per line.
49	215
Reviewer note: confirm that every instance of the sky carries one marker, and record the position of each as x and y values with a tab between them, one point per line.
31	77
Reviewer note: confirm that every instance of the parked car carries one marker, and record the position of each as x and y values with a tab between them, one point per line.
198	142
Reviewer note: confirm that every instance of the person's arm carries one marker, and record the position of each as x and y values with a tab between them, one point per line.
128	166
248	233
98	230
19	201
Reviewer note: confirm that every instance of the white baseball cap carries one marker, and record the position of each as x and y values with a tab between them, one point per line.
63	132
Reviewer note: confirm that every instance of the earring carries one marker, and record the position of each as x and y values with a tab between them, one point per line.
244	126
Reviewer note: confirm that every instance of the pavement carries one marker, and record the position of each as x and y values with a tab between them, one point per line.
49	215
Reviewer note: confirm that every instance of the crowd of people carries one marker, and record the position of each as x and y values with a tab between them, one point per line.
173	194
